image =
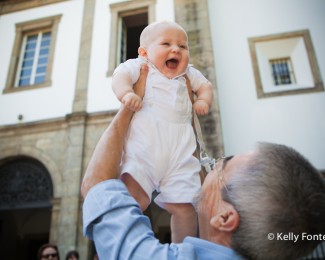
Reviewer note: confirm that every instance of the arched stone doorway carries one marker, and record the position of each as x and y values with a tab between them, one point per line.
26	191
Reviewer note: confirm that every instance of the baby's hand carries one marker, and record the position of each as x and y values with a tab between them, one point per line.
132	101
201	107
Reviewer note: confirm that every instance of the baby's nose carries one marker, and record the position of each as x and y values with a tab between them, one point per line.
175	48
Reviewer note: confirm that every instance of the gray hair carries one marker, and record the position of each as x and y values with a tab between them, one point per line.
278	192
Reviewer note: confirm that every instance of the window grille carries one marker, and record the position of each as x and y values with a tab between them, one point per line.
282	71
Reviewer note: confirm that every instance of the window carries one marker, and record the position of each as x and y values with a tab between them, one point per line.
24	183
282	71
285	64
32	57
128	20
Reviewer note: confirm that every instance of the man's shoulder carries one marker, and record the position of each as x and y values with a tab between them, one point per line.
206	250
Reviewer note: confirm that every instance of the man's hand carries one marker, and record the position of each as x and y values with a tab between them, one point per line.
140	86
105	161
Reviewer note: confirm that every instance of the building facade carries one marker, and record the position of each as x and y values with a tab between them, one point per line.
265	59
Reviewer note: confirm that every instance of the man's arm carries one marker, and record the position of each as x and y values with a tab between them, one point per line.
105	161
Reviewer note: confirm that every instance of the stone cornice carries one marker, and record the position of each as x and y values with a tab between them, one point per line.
56	124
11	6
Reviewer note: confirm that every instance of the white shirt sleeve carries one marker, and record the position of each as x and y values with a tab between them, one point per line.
131	67
196	78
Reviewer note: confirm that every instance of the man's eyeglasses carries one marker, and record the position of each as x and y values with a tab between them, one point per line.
47	256
211	164
225	159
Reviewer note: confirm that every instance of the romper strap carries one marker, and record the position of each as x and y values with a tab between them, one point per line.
206	161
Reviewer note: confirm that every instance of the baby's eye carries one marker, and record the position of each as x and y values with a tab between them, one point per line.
166	43
182	46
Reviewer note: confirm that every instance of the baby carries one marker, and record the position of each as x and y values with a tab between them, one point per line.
161	133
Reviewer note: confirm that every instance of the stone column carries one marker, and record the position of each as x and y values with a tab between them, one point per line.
73	171
194	17
81	90
56	203
70	221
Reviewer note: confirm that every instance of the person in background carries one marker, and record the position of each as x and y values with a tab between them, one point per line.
72	255
48	251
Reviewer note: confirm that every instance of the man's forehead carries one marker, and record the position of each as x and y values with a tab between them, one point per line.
237	161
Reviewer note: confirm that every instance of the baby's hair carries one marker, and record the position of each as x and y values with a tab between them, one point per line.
148	31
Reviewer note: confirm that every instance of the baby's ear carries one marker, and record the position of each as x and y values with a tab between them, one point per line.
142	52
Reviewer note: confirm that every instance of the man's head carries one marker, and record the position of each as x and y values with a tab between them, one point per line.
165	45
270	190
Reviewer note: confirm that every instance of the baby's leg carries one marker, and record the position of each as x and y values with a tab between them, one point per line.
136	191
183	220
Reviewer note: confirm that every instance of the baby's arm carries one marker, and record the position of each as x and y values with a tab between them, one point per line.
123	89
204	99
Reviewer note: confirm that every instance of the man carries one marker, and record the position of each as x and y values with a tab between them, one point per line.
258	205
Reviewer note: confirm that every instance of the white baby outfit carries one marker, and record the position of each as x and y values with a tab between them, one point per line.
159	149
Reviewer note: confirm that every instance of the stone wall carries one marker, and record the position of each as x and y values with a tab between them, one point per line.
193	16
64	147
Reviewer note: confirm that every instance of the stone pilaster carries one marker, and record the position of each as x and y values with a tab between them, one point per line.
72	174
194	17
75	161
81	89
56	203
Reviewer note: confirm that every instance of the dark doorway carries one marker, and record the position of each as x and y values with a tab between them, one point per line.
25	208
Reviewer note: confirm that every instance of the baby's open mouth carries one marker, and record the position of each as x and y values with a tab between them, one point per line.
172	63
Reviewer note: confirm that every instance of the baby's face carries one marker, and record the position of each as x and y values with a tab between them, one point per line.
167	49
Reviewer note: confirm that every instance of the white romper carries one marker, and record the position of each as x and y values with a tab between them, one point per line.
158	152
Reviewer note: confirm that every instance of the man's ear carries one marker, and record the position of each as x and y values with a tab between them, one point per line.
142	52
227	221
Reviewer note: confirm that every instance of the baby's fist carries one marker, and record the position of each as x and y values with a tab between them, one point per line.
201	108
132	101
